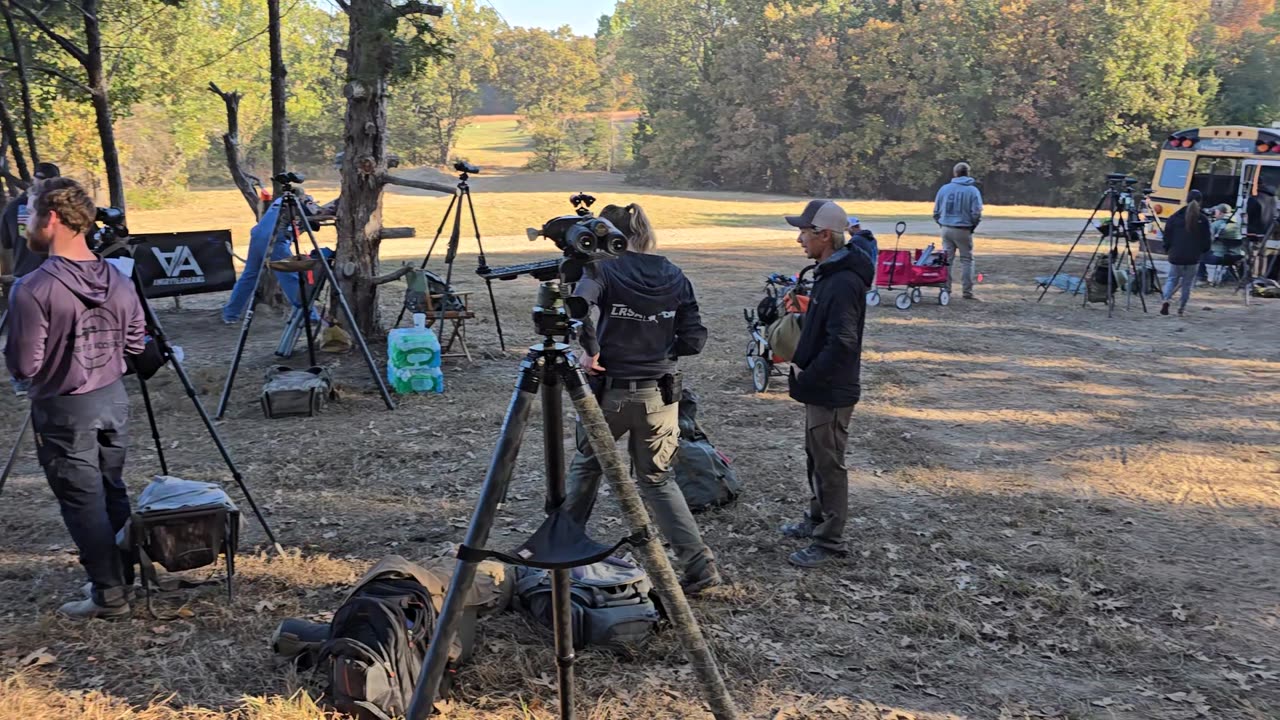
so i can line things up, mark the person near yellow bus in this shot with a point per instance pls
(1187, 236)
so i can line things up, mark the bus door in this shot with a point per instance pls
(1250, 180)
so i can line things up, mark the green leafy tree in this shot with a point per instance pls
(426, 114)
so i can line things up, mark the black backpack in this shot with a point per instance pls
(378, 640)
(705, 476)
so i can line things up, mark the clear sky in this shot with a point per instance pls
(581, 15)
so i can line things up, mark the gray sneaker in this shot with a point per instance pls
(87, 609)
(814, 556)
(130, 592)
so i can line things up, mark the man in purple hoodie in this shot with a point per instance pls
(73, 319)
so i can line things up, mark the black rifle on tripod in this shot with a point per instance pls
(1124, 224)
(292, 217)
(111, 242)
(449, 300)
(561, 542)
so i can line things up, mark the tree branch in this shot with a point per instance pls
(246, 183)
(55, 72)
(389, 179)
(392, 276)
(416, 7)
(71, 48)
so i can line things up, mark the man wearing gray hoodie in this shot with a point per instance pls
(73, 319)
(958, 210)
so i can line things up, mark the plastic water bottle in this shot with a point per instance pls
(413, 358)
(416, 380)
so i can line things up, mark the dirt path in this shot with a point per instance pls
(1056, 514)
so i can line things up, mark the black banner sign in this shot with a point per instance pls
(184, 263)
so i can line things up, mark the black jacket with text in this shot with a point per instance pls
(648, 316)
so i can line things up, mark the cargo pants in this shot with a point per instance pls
(958, 244)
(654, 436)
(81, 442)
(826, 436)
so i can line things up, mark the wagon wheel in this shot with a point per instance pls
(944, 298)
(760, 372)
(903, 301)
(873, 298)
(916, 295)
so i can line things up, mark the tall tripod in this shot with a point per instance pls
(465, 171)
(1122, 225)
(292, 217)
(561, 542)
(119, 248)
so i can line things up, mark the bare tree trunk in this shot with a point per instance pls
(100, 97)
(11, 140)
(24, 84)
(231, 144)
(364, 159)
(279, 119)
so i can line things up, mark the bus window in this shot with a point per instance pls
(1217, 178)
(1173, 174)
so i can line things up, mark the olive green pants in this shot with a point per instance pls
(654, 436)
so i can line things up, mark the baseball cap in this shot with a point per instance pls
(854, 221)
(821, 215)
(45, 170)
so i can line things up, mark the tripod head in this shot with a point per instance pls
(465, 171)
(287, 180)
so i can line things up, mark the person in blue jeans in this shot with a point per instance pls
(281, 249)
(1187, 236)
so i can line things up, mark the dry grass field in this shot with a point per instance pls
(1055, 514)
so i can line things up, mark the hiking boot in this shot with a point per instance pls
(802, 530)
(708, 579)
(1164, 308)
(969, 296)
(814, 556)
(88, 609)
(1181, 311)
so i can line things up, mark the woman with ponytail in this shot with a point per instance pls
(648, 319)
(1187, 236)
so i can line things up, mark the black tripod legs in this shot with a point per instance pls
(492, 491)
(13, 454)
(240, 341)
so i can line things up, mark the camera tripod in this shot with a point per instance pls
(454, 208)
(119, 248)
(561, 542)
(1122, 225)
(292, 217)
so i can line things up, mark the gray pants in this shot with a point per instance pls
(826, 435)
(958, 243)
(654, 438)
(81, 441)
(1180, 275)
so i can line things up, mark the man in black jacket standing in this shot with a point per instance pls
(825, 375)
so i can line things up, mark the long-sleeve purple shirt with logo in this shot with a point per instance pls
(70, 324)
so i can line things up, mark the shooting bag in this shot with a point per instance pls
(378, 639)
(705, 476)
(181, 525)
(293, 393)
(610, 601)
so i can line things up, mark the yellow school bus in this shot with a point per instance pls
(1225, 163)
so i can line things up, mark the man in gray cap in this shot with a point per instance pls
(826, 375)
(958, 210)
